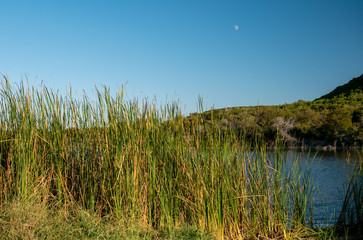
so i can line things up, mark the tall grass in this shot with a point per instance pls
(351, 215)
(145, 165)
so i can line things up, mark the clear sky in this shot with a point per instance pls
(233, 53)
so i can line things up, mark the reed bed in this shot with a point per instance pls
(351, 215)
(145, 164)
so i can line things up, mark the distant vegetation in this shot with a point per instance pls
(354, 85)
(334, 120)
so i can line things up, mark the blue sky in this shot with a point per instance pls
(281, 52)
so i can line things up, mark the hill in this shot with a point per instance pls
(356, 84)
(333, 121)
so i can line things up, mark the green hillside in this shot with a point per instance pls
(354, 85)
(333, 121)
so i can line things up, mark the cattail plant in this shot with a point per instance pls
(145, 164)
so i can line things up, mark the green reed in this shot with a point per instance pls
(351, 214)
(145, 164)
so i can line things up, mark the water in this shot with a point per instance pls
(330, 172)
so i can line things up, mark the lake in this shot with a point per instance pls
(330, 171)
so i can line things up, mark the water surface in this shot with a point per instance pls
(329, 171)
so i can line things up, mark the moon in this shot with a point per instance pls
(235, 27)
